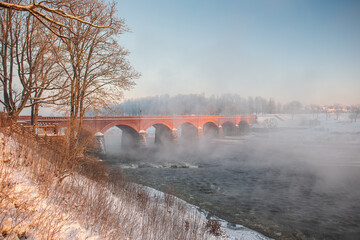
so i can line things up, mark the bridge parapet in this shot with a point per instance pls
(138, 123)
(167, 128)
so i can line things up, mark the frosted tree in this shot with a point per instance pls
(293, 108)
(338, 110)
(355, 111)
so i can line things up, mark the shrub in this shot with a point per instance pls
(214, 227)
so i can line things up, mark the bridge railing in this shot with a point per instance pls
(44, 130)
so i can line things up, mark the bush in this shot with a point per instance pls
(214, 227)
(270, 123)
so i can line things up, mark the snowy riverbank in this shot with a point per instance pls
(73, 208)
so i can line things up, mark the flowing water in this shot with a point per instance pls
(286, 184)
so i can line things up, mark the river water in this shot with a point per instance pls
(289, 183)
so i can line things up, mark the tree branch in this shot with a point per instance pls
(32, 8)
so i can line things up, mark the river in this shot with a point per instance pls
(287, 183)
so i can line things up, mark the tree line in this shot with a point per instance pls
(226, 104)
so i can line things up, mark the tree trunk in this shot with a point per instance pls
(14, 115)
(34, 116)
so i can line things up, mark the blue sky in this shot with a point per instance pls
(285, 49)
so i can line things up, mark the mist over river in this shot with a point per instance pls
(292, 182)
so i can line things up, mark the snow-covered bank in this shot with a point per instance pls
(25, 211)
(228, 231)
(27, 214)
(35, 204)
(330, 123)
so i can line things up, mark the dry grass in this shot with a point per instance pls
(82, 189)
(214, 227)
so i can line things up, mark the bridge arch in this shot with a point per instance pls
(229, 128)
(122, 138)
(188, 132)
(179, 122)
(210, 130)
(120, 123)
(162, 134)
(148, 124)
(208, 120)
(130, 138)
(244, 127)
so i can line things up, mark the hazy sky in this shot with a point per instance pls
(306, 50)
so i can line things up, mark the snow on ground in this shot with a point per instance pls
(229, 231)
(331, 123)
(313, 129)
(28, 213)
(325, 140)
(25, 212)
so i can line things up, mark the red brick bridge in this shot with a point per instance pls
(166, 127)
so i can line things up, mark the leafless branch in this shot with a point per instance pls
(35, 8)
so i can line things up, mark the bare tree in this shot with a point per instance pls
(95, 65)
(17, 59)
(48, 85)
(45, 11)
(271, 106)
(338, 110)
(258, 105)
(293, 108)
(315, 109)
(94, 62)
(85, 66)
(25, 75)
(279, 107)
(355, 111)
